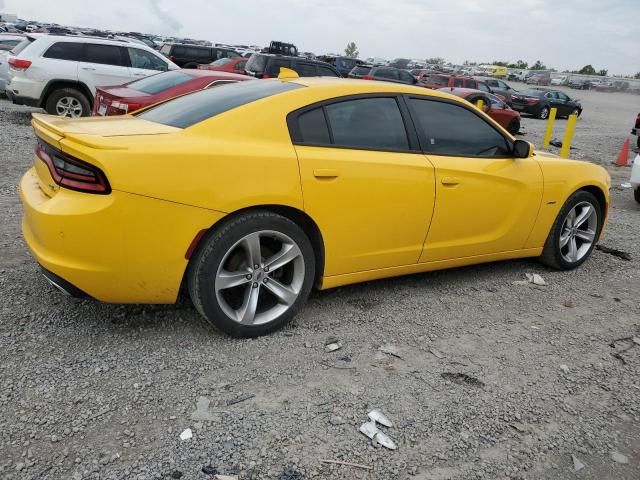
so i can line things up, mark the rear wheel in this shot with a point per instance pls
(543, 114)
(68, 102)
(574, 233)
(253, 274)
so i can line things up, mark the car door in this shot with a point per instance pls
(104, 65)
(566, 103)
(554, 102)
(486, 201)
(143, 63)
(364, 181)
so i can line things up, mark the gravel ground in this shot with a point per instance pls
(491, 379)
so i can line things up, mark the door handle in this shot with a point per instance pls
(88, 68)
(325, 173)
(450, 181)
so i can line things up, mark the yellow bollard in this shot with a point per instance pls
(549, 132)
(480, 104)
(568, 136)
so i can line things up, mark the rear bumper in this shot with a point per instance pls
(19, 100)
(120, 248)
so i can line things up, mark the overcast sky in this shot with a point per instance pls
(562, 33)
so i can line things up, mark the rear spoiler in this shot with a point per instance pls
(48, 128)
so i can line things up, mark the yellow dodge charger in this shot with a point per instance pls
(250, 194)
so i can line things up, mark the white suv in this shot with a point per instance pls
(61, 73)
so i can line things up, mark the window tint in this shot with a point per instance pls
(104, 54)
(406, 77)
(453, 130)
(457, 82)
(326, 72)
(274, 67)
(469, 83)
(313, 127)
(185, 111)
(197, 53)
(562, 96)
(386, 73)
(360, 71)
(438, 80)
(482, 86)
(374, 123)
(65, 51)
(240, 66)
(306, 69)
(166, 49)
(492, 83)
(160, 82)
(146, 60)
(551, 95)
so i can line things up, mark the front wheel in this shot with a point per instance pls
(252, 275)
(68, 102)
(574, 233)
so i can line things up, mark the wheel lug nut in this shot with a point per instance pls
(266, 269)
(249, 276)
(255, 267)
(255, 285)
(266, 280)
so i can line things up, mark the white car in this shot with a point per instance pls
(635, 178)
(60, 73)
(561, 80)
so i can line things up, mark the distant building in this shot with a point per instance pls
(8, 17)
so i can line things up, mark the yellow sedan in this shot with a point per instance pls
(248, 195)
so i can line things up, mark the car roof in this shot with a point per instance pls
(350, 86)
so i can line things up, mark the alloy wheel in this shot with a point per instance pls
(544, 113)
(578, 232)
(260, 277)
(69, 107)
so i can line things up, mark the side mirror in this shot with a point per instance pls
(522, 149)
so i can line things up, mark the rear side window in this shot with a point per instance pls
(104, 54)
(185, 111)
(160, 82)
(326, 72)
(313, 127)
(374, 123)
(306, 69)
(451, 129)
(65, 51)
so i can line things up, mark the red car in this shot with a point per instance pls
(231, 65)
(439, 80)
(123, 99)
(493, 106)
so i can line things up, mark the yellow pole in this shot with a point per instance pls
(479, 104)
(568, 136)
(549, 132)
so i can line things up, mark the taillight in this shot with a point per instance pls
(19, 64)
(532, 100)
(72, 173)
(367, 77)
(133, 107)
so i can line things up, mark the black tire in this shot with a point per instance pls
(514, 126)
(551, 254)
(543, 114)
(56, 95)
(636, 194)
(203, 267)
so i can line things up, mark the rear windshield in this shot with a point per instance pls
(360, 70)
(257, 63)
(188, 110)
(160, 82)
(22, 45)
(438, 80)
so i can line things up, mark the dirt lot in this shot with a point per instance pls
(492, 379)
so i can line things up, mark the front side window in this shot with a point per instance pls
(185, 111)
(146, 60)
(451, 129)
(65, 51)
(104, 54)
(374, 123)
(483, 87)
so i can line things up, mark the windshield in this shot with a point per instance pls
(185, 111)
(221, 62)
(160, 82)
